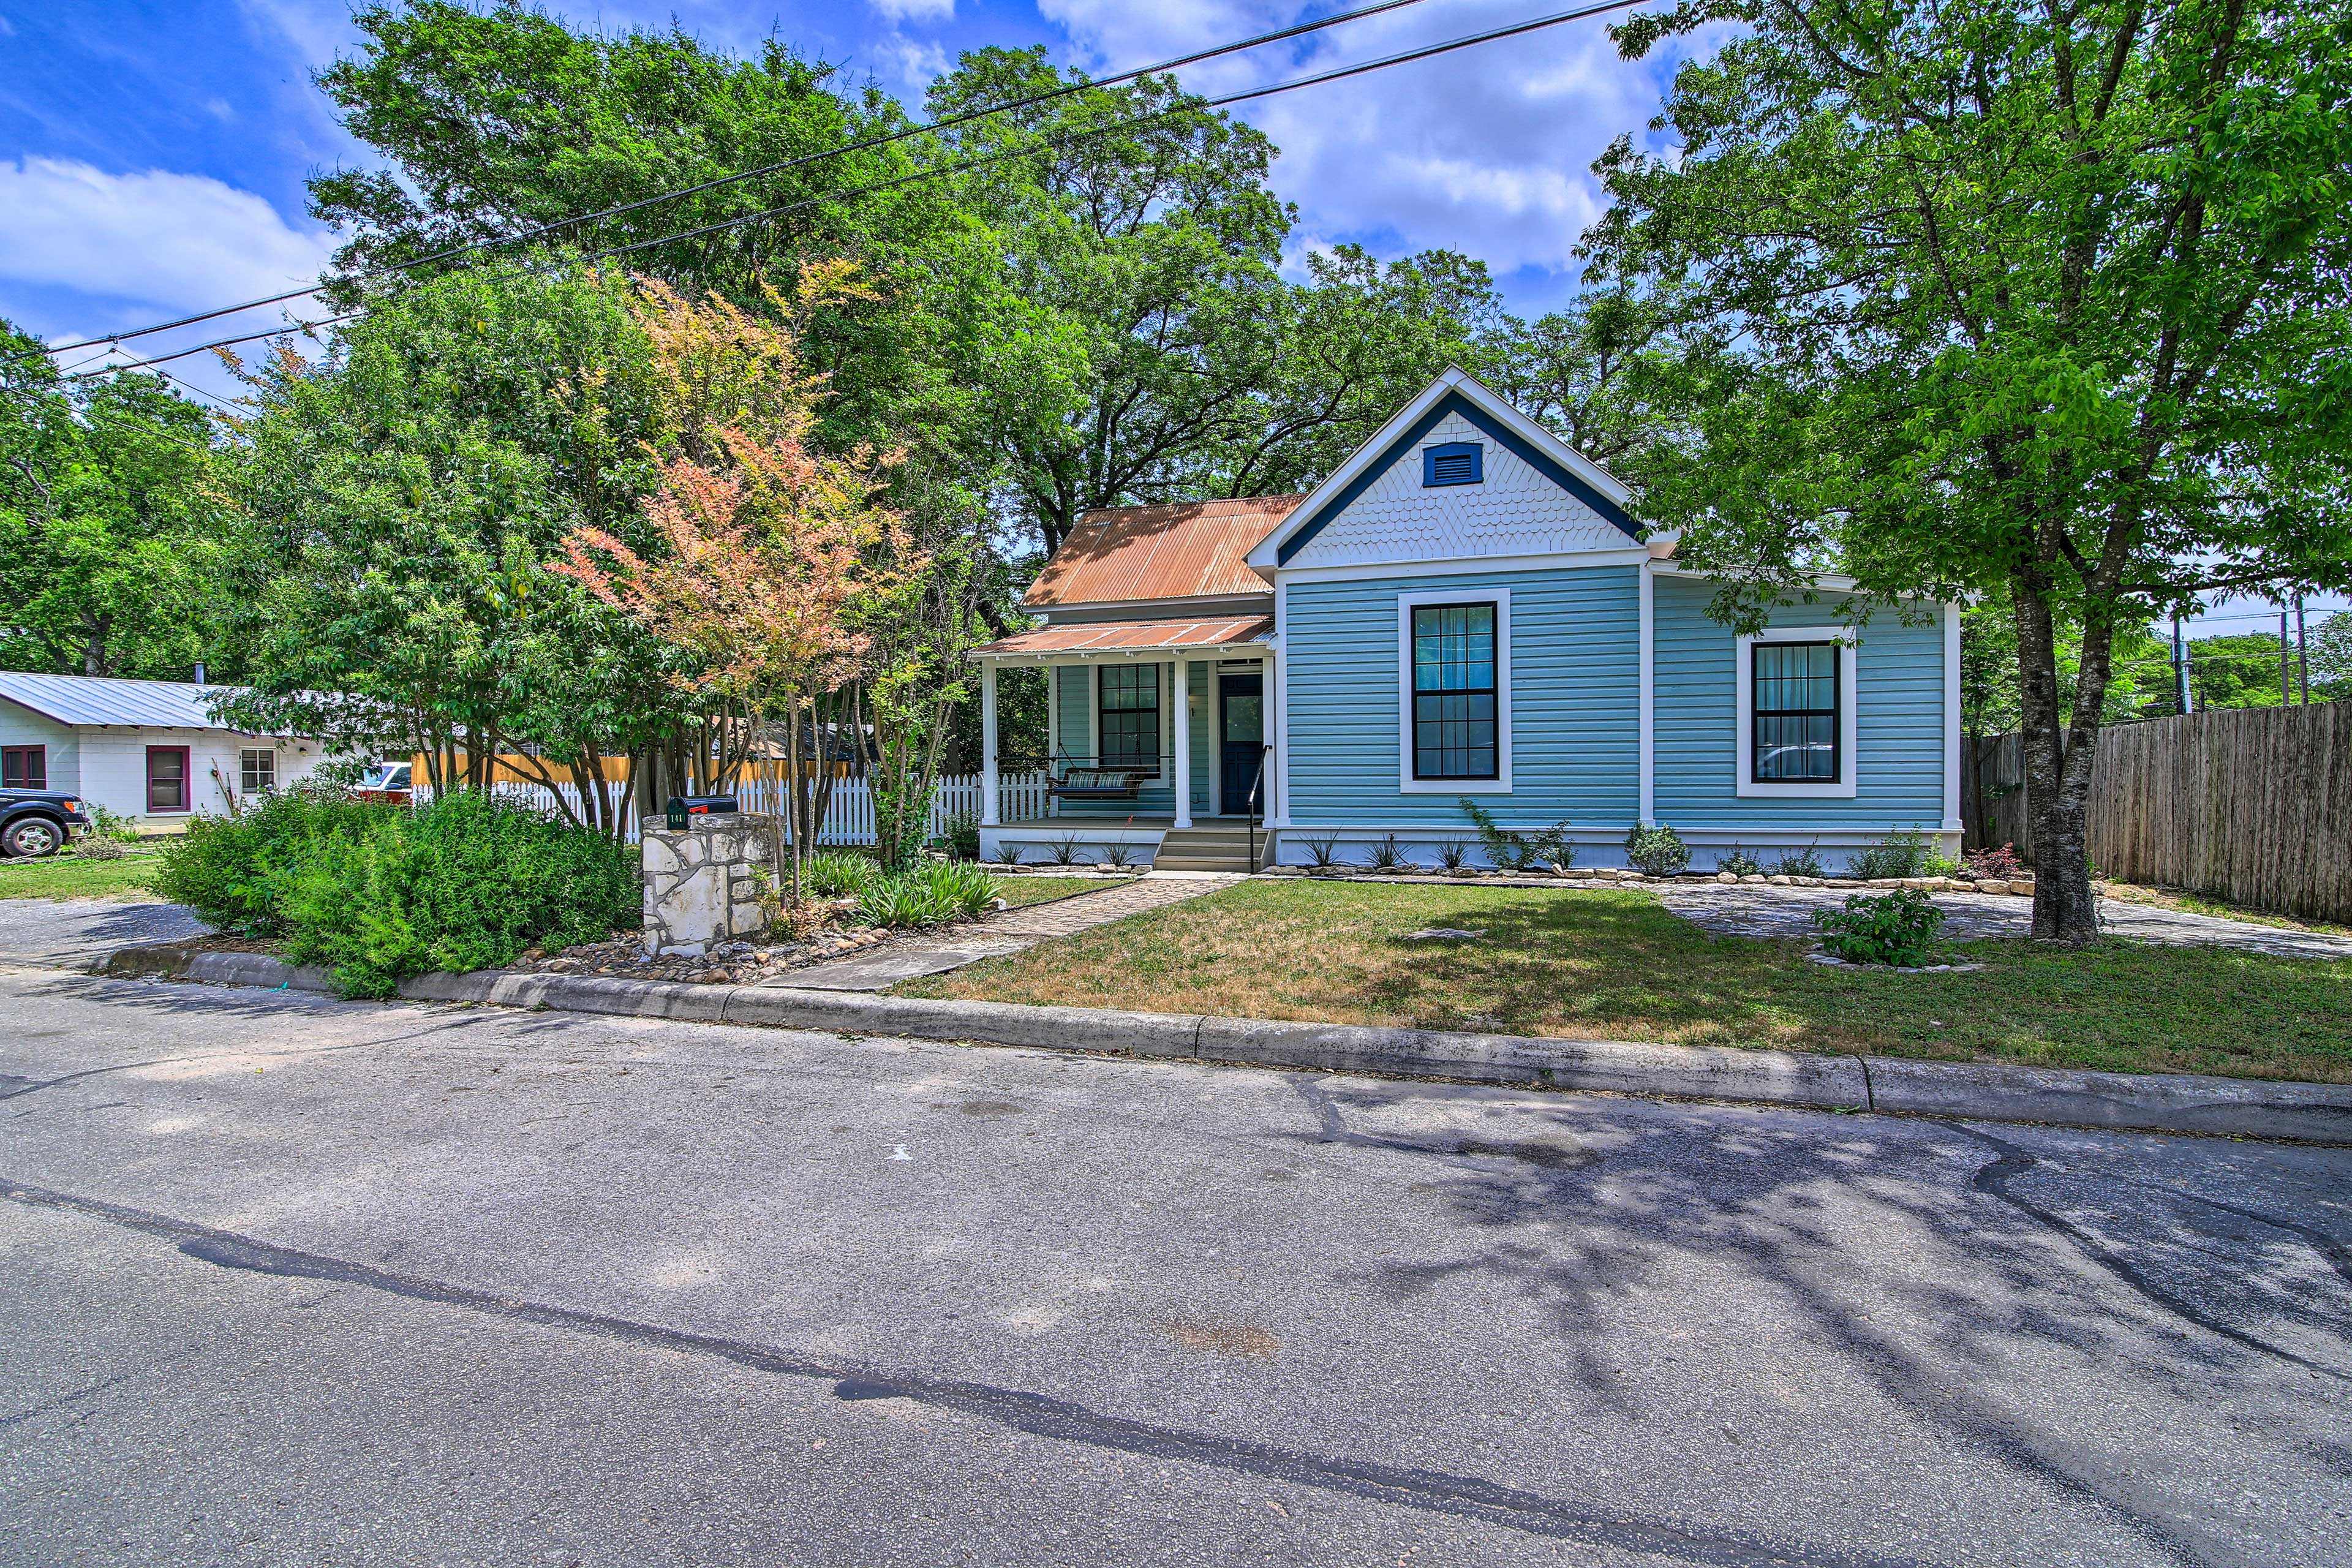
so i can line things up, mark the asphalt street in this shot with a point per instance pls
(297, 1282)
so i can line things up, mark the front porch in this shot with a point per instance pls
(1159, 745)
(1204, 843)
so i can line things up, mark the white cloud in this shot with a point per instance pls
(1486, 150)
(162, 240)
(913, 10)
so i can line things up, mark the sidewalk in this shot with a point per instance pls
(993, 936)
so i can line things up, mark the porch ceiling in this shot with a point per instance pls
(1129, 637)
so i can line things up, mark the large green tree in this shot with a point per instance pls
(109, 520)
(398, 505)
(2041, 298)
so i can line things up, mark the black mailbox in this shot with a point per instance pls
(683, 807)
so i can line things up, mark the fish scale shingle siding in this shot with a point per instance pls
(1575, 682)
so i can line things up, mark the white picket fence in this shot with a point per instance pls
(849, 819)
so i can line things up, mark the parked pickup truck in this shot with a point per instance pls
(38, 821)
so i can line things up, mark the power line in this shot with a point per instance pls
(870, 143)
(1403, 57)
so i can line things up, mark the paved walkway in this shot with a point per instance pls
(878, 968)
(1767, 912)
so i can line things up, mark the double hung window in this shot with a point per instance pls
(1456, 734)
(1796, 713)
(1130, 716)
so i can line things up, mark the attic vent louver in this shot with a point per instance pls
(1456, 463)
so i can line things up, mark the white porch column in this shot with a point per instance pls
(1182, 673)
(989, 816)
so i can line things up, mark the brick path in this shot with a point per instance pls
(993, 936)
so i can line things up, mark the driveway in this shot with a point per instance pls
(295, 1280)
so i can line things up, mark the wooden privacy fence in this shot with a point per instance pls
(849, 819)
(2251, 804)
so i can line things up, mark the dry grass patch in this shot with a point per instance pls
(1617, 965)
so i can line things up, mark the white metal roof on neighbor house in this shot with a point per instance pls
(103, 700)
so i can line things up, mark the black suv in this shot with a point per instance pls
(38, 821)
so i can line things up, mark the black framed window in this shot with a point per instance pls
(23, 768)
(1796, 707)
(1130, 716)
(1455, 732)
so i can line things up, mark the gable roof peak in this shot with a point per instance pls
(1455, 390)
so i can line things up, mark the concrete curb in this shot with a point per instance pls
(2152, 1102)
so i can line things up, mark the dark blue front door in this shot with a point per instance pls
(1241, 730)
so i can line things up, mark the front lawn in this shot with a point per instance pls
(1616, 965)
(70, 877)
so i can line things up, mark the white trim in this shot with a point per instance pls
(1180, 680)
(1261, 554)
(1649, 680)
(989, 813)
(1459, 566)
(1280, 816)
(1128, 655)
(1952, 719)
(1827, 581)
(1744, 690)
(1499, 785)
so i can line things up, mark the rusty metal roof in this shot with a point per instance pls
(1123, 637)
(1182, 550)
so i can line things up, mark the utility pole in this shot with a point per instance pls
(2302, 652)
(2286, 687)
(2179, 669)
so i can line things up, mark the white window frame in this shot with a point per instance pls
(244, 767)
(1743, 681)
(1406, 604)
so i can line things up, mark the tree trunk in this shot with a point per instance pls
(2057, 780)
(793, 765)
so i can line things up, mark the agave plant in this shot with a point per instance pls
(1386, 856)
(1065, 849)
(1117, 854)
(1453, 854)
(1323, 851)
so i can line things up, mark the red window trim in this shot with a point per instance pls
(25, 774)
(187, 784)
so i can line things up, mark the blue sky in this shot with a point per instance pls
(153, 155)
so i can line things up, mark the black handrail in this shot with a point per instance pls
(1256, 803)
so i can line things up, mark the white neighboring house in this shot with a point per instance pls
(146, 750)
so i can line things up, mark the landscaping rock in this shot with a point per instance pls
(1441, 933)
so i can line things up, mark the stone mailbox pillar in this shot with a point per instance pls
(706, 884)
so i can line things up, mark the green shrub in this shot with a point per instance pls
(235, 871)
(1512, 850)
(1805, 862)
(1902, 854)
(1739, 862)
(466, 882)
(1898, 928)
(1657, 852)
(831, 874)
(108, 825)
(925, 895)
(963, 835)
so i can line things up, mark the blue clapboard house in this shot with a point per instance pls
(1466, 608)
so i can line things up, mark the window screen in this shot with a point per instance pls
(257, 770)
(23, 768)
(167, 778)
(1130, 716)
(1796, 709)
(1453, 729)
